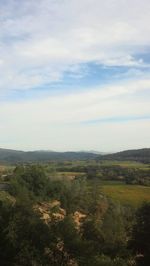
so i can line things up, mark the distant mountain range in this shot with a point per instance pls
(140, 155)
(14, 156)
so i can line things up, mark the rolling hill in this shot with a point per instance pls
(140, 155)
(14, 156)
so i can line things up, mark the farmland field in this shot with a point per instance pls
(127, 194)
(128, 164)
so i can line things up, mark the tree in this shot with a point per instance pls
(24, 238)
(32, 179)
(140, 241)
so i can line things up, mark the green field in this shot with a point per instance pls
(126, 164)
(127, 194)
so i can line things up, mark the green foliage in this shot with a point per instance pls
(107, 235)
(100, 239)
(29, 180)
(105, 261)
(20, 241)
(140, 241)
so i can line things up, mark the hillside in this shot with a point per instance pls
(13, 156)
(141, 155)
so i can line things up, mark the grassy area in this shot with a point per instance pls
(127, 194)
(126, 164)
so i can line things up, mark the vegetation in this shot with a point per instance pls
(13, 156)
(78, 213)
(127, 194)
(141, 155)
(140, 238)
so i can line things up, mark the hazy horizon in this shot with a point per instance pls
(75, 75)
(61, 151)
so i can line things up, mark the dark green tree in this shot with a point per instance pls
(140, 241)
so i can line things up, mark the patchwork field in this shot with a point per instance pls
(127, 194)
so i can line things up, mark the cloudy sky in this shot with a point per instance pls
(75, 74)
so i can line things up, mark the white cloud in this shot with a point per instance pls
(51, 36)
(56, 122)
(102, 102)
(41, 40)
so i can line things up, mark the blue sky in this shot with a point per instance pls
(75, 75)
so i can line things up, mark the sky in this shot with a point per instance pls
(75, 74)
